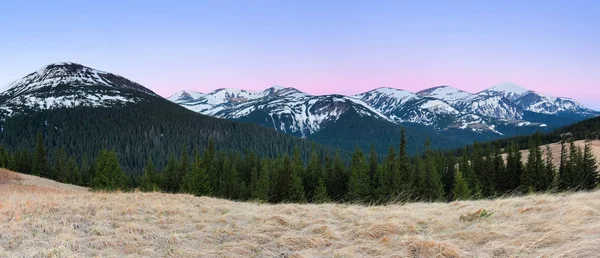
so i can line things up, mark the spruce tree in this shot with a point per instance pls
(3, 157)
(374, 175)
(297, 193)
(574, 166)
(320, 195)
(533, 176)
(514, 167)
(564, 174)
(196, 181)
(359, 185)
(148, 181)
(589, 168)
(550, 171)
(310, 179)
(387, 187)
(60, 165)
(433, 188)
(288, 187)
(499, 169)
(170, 182)
(183, 169)
(209, 161)
(404, 176)
(109, 174)
(337, 179)
(74, 174)
(230, 188)
(460, 190)
(40, 160)
(261, 181)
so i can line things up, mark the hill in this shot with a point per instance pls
(48, 219)
(555, 149)
(84, 110)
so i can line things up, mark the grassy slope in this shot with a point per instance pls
(42, 218)
(555, 149)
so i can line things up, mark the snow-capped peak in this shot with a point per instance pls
(392, 92)
(446, 93)
(508, 88)
(185, 95)
(72, 74)
(70, 85)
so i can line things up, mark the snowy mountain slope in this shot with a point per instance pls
(285, 109)
(506, 90)
(446, 93)
(497, 109)
(69, 85)
(185, 96)
(537, 102)
(484, 105)
(403, 106)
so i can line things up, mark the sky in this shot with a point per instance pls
(319, 47)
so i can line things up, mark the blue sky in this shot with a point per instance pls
(316, 46)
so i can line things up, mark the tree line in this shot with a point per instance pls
(484, 171)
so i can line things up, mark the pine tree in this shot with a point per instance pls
(461, 190)
(337, 179)
(86, 172)
(514, 167)
(374, 174)
(183, 169)
(469, 176)
(404, 177)
(148, 181)
(533, 176)
(320, 195)
(3, 157)
(387, 187)
(209, 161)
(40, 160)
(73, 173)
(23, 161)
(60, 165)
(12, 163)
(550, 171)
(310, 179)
(480, 168)
(433, 188)
(359, 186)
(575, 180)
(297, 193)
(564, 173)
(288, 187)
(109, 174)
(499, 169)
(589, 168)
(230, 179)
(261, 180)
(196, 181)
(170, 182)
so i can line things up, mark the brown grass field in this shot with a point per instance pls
(42, 218)
(555, 148)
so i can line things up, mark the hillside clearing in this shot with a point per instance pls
(555, 149)
(43, 218)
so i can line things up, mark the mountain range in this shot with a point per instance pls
(448, 117)
(502, 110)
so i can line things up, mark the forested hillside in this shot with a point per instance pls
(435, 176)
(153, 129)
(586, 129)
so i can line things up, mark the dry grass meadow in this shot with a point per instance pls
(42, 218)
